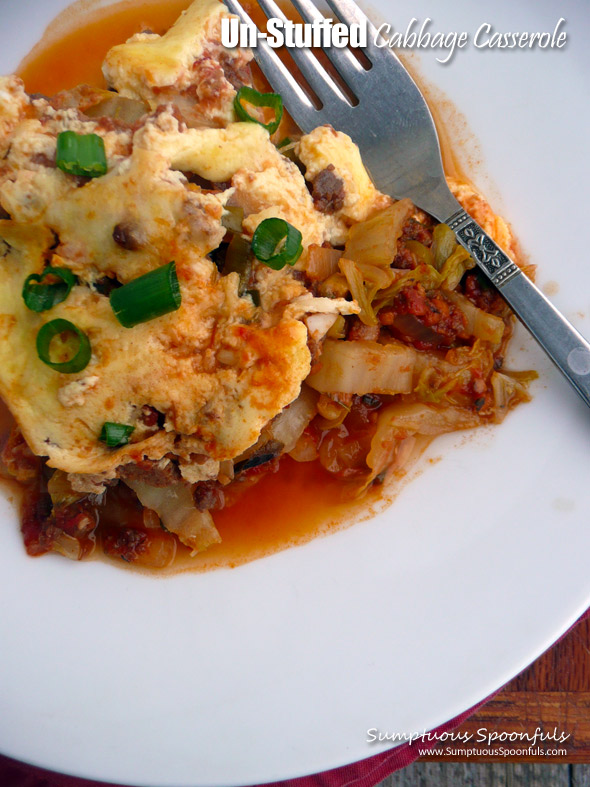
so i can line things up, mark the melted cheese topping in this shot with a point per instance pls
(216, 374)
(218, 369)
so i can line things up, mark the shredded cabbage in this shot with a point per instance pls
(176, 508)
(408, 418)
(356, 284)
(362, 367)
(425, 275)
(374, 241)
(443, 244)
(421, 252)
(480, 324)
(439, 380)
(509, 390)
(455, 266)
(404, 428)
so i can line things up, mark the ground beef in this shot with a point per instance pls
(209, 496)
(38, 527)
(107, 123)
(206, 185)
(43, 159)
(151, 417)
(150, 472)
(424, 319)
(328, 191)
(359, 331)
(78, 519)
(483, 295)
(166, 107)
(412, 230)
(404, 259)
(126, 543)
(18, 459)
(129, 236)
(236, 75)
(415, 230)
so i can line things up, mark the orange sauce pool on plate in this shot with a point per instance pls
(302, 500)
(75, 44)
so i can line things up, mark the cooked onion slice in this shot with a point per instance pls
(68, 546)
(426, 419)
(176, 508)
(363, 367)
(356, 284)
(288, 427)
(124, 110)
(403, 429)
(321, 262)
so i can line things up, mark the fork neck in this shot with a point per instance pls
(436, 198)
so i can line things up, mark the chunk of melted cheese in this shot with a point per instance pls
(187, 65)
(13, 107)
(324, 147)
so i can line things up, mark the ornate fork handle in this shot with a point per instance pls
(567, 348)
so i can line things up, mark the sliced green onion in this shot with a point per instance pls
(115, 435)
(149, 296)
(277, 243)
(271, 100)
(78, 361)
(284, 142)
(81, 154)
(39, 296)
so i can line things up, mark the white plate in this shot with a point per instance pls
(279, 668)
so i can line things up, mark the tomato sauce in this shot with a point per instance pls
(301, 500)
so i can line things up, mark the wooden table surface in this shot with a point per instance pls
(554, 692)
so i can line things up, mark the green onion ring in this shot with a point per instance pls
(81, 154)
(149, 296)
(115, 435)
(268, 237)
(52, 329)
(40, 297)
(271, 100)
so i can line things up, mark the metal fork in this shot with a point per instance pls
(392, 125)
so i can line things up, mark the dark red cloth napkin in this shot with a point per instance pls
(365, 773)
